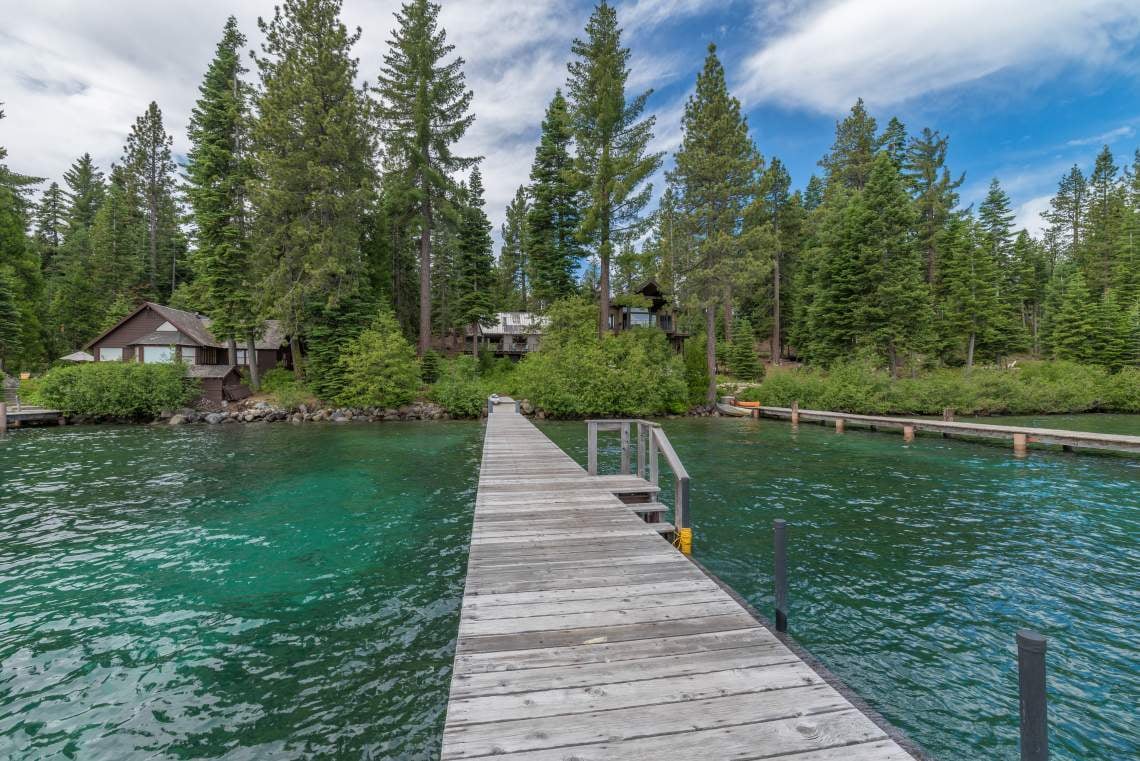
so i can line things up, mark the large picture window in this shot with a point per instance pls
(156, 354)
(110, 354)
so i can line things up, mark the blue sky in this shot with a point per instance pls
(1024, 88)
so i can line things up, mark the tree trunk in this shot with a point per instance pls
(295, 355)
(475, 340)
(425, 275)
(970, 353)
(251, 357)
(710, 352)
(233, 351)
(604, 290)
(776, 349)
(893, 356)
(728, 314)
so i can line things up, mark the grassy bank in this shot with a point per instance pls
(1031, 388)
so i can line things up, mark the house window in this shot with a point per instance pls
(189, 355)
(158, 354)
(640, 316)
(243, 356)
(110, 354)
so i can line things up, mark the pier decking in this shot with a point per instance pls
(586, 635)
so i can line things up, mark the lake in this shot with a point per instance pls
(274, 591)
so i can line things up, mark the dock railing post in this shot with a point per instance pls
(3, 417)
(518, 407)
(1031, 696)
(490, 406)
(625, 447)
(681, 514)
(592, 448)
(654, 465)
(780, 571)
(640, 449)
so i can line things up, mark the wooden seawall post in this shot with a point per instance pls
(796, 412)
(3, 417)
(839, 425)
(1020, 444)
(908, 433)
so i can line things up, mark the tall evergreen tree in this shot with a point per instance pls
(778, 211)
(715, 174)
(935, 193)
(1074, 323)
(813, 193)
(150, 166)
(514, 266)
(1103, 220)
(893, 142)
(313, 152)
(476, 284)
(969, 286)
(1066, 210)
(853, 153)
(20, 280)
(85, 189)
(553, 220)
(897, 315)
(424, 104)
(219, 170)
(50, 225)
(613, 162)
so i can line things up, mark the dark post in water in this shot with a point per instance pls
(780, 559)
(1031, 689)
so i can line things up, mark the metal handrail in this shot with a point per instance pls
(651, 440)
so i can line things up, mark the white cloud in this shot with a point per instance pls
(1028, 215)
(643, 13)
(888, 51)
(1105, 138)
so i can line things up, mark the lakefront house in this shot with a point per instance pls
(158, 333)
(653, 311)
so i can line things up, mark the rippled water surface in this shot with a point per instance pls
(267, 592)
(913, 567)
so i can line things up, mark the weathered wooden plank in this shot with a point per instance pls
(584, 634)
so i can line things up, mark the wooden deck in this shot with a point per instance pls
(1071, 440)
(586, 635)
(15, 417)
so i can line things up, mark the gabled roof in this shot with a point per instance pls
(210, 371)
(192, 329)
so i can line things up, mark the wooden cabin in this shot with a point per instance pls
(157, 333)
(513, 334)
(656, 313)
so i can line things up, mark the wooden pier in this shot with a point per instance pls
(586, 634)
(18, 416)
(1019, 436)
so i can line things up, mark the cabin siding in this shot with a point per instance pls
(146, 321)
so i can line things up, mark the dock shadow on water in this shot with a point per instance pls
(912, 567)
(245, 592)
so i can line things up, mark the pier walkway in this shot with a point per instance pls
(585, 634)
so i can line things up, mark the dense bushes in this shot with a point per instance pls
(281, 384)
(576, 373)
(460, 390)
(1033, 388)
(117, 389)
(379, 367)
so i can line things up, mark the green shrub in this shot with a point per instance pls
(281, 385)
(117, 389)
(577, 374)
(459, 389)
(1033, 388)
(696, 370)
(429, 366)
(30, 391)
(379, 367)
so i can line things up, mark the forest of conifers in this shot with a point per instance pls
(319, 201)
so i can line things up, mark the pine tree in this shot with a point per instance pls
(1103, 220)
(995, 219)
(1075, 322)
(85, 189)
(1111, 339)
(813, 194)
(742, 359)
(778, 212)
(313, 155)
(1066, 210)
(1027, 285)
(50, 225)
(514, 264)
(853, 153)
(613, 164)
(423, 111)
(553, 220)
(893, 142)
(218, 169)
(968, 284)
(935, 193)
(476, 283)
(715, 174)
(150, 166)
(897, 314)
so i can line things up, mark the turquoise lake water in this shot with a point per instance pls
(912, 567)
(273, 591)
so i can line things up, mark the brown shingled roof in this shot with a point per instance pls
(196, 328)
